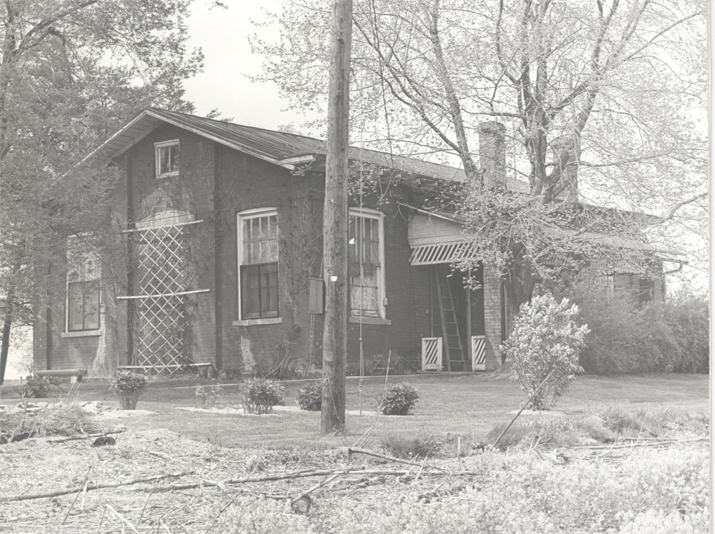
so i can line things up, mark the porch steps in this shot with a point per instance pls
(450, 329)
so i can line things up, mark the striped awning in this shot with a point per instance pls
(442, 253)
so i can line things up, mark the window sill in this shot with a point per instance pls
(83, 333)
(252, 322)
(370, 320)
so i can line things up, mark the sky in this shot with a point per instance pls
(223, 34)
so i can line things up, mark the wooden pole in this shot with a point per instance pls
(335, 222)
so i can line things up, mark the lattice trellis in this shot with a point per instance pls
(164, 280)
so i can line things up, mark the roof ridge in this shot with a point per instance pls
(159, 110)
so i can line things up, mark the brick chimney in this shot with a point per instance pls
(492, 157)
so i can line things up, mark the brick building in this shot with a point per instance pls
(222, 228)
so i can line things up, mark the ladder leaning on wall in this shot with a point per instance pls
(448, 319)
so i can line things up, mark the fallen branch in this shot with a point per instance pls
(392, 459)
(640, 444)
(88, 488)
(319, 485)
(303, 474)
(86, 436)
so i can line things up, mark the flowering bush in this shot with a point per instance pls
(261, 395)
(545, 339)
(398, 400)
(310, 397)
(128, 386)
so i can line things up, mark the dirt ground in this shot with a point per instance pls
(170, 483)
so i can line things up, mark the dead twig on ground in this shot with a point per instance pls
(392, 459)
(122, 518)
(93, 487)
(84, 486)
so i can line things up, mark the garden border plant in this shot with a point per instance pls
(260, 395)
(128, 386)
(310, 397)
(399, 399)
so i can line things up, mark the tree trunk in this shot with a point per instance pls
(6, 328)
(335, 223)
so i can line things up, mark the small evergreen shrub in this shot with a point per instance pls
(310, 397)
(397, 400)
(38, 387)
(260, 395)
(545, 339)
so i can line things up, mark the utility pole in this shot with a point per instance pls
(335, 222)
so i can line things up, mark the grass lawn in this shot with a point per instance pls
(468, 405)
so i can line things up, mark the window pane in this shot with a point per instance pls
(250, 291)
(269, 290)
(364, 265)
(174, 158)
(75, 303)
(91, 306)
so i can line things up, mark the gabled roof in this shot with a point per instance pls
(280, 148)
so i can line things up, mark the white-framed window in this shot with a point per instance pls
(366, 263)
(83, 302)
(257, 263)
(166, 158)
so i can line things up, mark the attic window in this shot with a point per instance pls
(166, 157)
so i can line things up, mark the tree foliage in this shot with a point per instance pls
(71, 73)
(603, 103)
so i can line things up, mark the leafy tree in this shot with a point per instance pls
(603, 103)
(71, 73)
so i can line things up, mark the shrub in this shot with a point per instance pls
(40, 388)
(690, 323)
(310, 397)
(625, 338)
(261, 395)
(397, 400)
(545, 339)
(128, 386)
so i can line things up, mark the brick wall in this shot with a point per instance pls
(492, 317)
(214, 184)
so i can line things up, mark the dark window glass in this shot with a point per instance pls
(83, 306)
(364, 265)
(168, 160)
(259, 291)
(645, 290)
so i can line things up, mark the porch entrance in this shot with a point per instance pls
(457, 314)
(456, 310)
